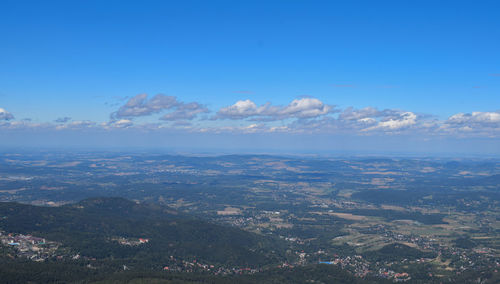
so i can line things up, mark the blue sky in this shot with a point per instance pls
(86, 59)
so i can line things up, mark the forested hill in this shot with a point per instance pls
(91, 229)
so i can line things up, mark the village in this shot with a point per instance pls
(448, 258)
(30, 247)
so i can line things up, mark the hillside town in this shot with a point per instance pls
(28, 246)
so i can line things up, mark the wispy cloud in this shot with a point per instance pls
(62, 119)
(77, 125)
(140, 105)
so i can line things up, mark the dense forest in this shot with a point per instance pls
(89, 227)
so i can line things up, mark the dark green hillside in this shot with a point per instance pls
(89, 226)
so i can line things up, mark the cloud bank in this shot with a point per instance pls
(305, 115)
(298, 108)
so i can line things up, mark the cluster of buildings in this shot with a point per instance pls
(178, 265)
(131, 241)
(396, 276)
(362, 268)
(356, 264)
(31, 247)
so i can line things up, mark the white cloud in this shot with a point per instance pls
(122, 123)
(5, 115)
(475, 123)
(490, 118)
(242, 109)
(306, 108)
(298, 108)
(141, 106)
(366, 121)
(403, 120)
